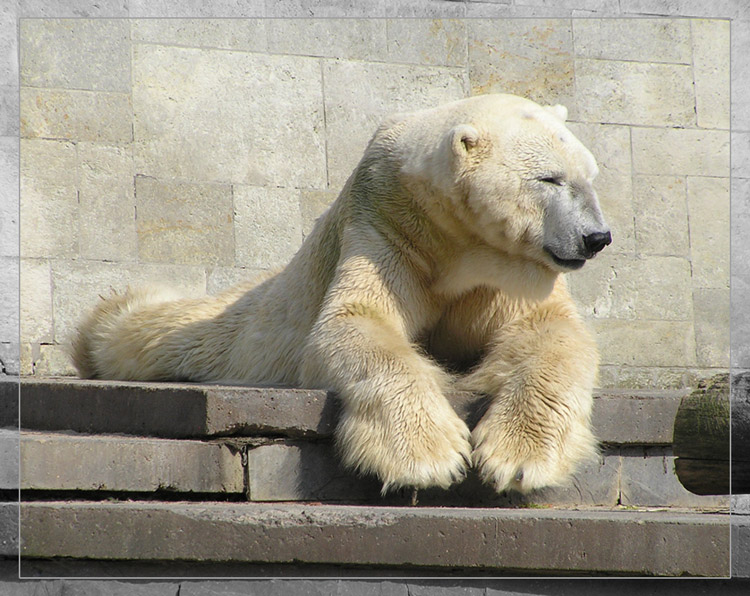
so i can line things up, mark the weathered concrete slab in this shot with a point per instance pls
(8, 529)
(74, 462)
(740, 545)
(8, 459)
(148, 409)
(528, 541)
(8, 401)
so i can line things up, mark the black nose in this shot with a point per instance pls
(596, 242)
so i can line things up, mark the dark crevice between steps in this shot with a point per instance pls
(32, 495)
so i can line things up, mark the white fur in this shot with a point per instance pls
(428, 272)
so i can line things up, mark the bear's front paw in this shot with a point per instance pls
(525, 457)
(417, 450)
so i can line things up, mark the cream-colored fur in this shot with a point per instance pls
(437, 267)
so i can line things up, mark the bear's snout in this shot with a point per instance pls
(596, 242)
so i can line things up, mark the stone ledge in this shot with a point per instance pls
(148, 409)
(8, 529)
(113, 463)
(524, 541)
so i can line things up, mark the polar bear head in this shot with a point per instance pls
(511, 173)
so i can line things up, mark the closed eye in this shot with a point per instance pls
(556, 180)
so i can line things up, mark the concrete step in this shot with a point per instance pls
(274, 444)
(621, 417)
(436, 540)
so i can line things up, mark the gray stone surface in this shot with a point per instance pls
(620, 417)
(75, 115)
(537, 58)
(9, 459)
(634, 93)
(649, 480)
(521, 540)
(8, 401)
(8, 529)
(708, 203)
(56, 461)
(183, 223)
(184, 111)
(9, 222)
(741, 545)
(633, 40)
(86, 54)
(678, 151)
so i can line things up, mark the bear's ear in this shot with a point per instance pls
(464, 138)
(559, 111)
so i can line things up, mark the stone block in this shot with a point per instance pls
(76, 115)
(740, 546)
(711, 70)
(196, 8)
(487, 10)
(312, 204)
(740, 154)
(708, 205)
(49, 199)
(325, 8)
(114, 463)
(8, 46)
(661, 215)
(643, 343)
(360, 95)
(8, 401)
(351, 39)
(634, 93)
(9, 530)
(54, 361)
(531, 540)
(635, 289)
(634, 40)
(625, 418)
(8, 459)
(683, 8)
(740, 71)
(181, 222)
(9, 110)
(36, 301)
(422, 41)
(72, 8)
(649, 480)
(118, 588)
(536, 58)
(147, 409)
(230, 34)
(9, 295)
(193, 119)
(267, 226)
(712, 325)
(9, 214)
(10, 356)
(107, 204)
(79, 285)
(304, 472)
(76, 54)
(680, 152)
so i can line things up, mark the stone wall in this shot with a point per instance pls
(199, 152)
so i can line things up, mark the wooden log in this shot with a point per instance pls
(701, 438)
(741, 433)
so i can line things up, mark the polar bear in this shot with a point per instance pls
(437, 268)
